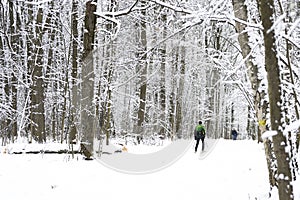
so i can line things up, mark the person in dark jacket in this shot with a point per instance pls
(234, 134)
(199, 134)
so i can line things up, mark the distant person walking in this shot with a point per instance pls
(199, 134)
(234, 134)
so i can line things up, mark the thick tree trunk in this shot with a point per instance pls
(28, 11)
(283, 175)
(37, 87)
(87, 87)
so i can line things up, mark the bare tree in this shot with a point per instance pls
(283, 176)
(37, 86)
(142, 67)
(87, 87)
(14, 34)
(74, 73)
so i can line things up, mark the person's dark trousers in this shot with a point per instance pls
(197, 144)
(234, 137)
(202, 139)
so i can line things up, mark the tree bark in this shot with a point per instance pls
(142, 67)
(74, 88)
(37, 87)
(14, 24)
(180, 87)
(162, 20)
(283, 176)
(87, 87)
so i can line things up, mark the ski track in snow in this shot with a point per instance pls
(230, 170)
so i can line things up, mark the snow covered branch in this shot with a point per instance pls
(37, 3)
(174, 8)
(110, 15)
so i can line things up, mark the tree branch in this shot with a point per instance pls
(111, 15)
(174, 8)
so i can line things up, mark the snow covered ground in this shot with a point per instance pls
(230, 170)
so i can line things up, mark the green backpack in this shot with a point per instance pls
(200, 132)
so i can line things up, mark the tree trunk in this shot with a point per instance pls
(162, 57)
(2, 79)
(87, 88)
(142, 67)
(14, 33)
(180, 87)
(74, 87)
(283, 176)
(172, 98)
(37, 87)
(213, 124)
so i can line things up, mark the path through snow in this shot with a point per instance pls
(233, 170)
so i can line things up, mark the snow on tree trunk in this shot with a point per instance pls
(283, 176)
(14, 24)
(162, 53)
(240, 12)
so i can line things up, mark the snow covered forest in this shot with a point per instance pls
(83, 71)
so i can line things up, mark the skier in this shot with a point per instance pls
(234, 134)
(199, 133)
